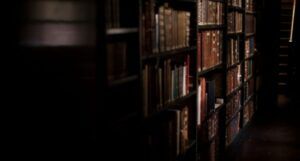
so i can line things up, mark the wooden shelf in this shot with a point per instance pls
(170, 53)
(250, 12)
(221, 1)
(232, 93)
(177, 103)
(233, 116)
(121, 31)
(250, 34)
(235, 34)
(190, 1)
(248, 100)
(210, 27)
(207, 71)
(215, 110)
(233, 65)
(234, 8)
(121, 81)
(248, 79)
(212, 113)
(250, 57)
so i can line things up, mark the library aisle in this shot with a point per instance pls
(271, 136)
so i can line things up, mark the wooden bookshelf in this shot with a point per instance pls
(121, 31)
(159, 69)
(212, 69)
(171, 53)
(210, 27)
(168, 70)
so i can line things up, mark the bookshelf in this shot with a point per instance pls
(176, 79)
(211, 80)
(168, 71)
(217, 53)
(186, 70)
(245, 101)
(119, 56)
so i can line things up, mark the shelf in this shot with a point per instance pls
(233, 65)
(211, 113)
(121, 31)
(232, 93)
(221, 1)
(234, 8)
(250, 34)
(191, 1)
(233, 116)
(248, 79)
(179, 101)
(248, 100)
(122, 81)
(177, 104)
(250, 57)
(235, 34)
(201, 73)
(210, 27)
(170, 53)
(250, 12)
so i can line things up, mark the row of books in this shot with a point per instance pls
(213, 132)
(250, 6)
(249, 47)
(248, 112)
(168, 136)
(235, 22)
(248, 69)
(249, 89)
(234, 3)
(233, 105)
(233, 51)
(250, 24)
(165, 82)
(209, 49)
(210, 12)
(232, 129)
(213, 126)
(164, 30)
(233, 79)
(207, 99)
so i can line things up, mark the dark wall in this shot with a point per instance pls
(49, 92)
(268, 16)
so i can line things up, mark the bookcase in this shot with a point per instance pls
(186, 70)
(175, 80)
(119, 54)
(168, 75)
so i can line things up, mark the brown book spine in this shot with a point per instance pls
(203, 99)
